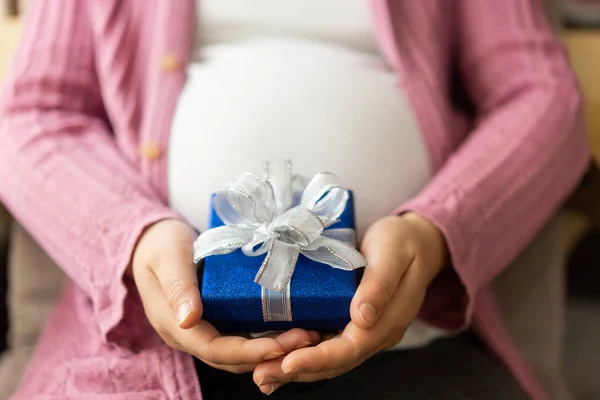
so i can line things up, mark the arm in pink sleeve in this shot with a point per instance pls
(62, 174)
(526, 152)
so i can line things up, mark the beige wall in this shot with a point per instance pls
(9, 36)
(584, 49)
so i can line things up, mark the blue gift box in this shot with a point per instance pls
(320, 294)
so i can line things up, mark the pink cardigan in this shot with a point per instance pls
(84, 125)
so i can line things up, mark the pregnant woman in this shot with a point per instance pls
(456, 123)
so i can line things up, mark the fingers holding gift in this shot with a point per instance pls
(326, 361)
(291, 340)
(231, 353)
(295, 339)
(269, 371)
(355, 345)
(235, 369)
(334, 356)
(203, 340)
(206, 343)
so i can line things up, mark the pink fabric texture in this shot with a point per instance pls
(87, 90)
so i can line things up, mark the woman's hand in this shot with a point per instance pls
(405, 254)
(166, 279)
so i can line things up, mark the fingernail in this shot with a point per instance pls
(182, 313)
(367, 313)
(293, 370)
(273, 388)
(272, 356)
(303, 344)
(267, 380)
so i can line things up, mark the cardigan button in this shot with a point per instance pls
(150, 151)
(170, 63)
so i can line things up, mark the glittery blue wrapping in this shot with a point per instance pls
(320, 294)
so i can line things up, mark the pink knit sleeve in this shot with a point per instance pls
(61, 172)
(526, 152)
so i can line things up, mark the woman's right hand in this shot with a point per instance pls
(166, 279)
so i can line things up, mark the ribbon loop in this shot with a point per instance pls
(345, 235)
(325, 197)
(248, 199)
(336, 254)
(221, 240)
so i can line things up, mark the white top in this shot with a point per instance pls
(345, 22)
(297, 79)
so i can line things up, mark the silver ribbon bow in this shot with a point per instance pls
(277, 216)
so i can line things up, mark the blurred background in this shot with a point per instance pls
(578, 23)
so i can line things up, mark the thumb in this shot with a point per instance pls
(376, 290)
(178, 278)
(387, 263)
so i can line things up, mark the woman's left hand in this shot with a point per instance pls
(405, 253)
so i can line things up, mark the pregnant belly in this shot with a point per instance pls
(326, 108)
